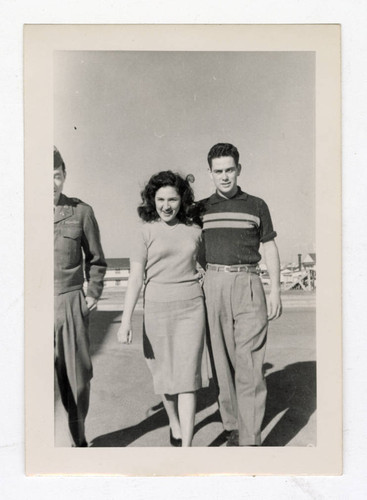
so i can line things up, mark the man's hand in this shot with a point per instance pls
(91, 303)
(274, 305)
(271, 258)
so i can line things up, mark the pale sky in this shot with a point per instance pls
(122, 116)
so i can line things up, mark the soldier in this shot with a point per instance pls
(75, 233)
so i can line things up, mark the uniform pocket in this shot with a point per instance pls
(72, 232)
(71, 242)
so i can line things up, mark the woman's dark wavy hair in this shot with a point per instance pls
(147, 210)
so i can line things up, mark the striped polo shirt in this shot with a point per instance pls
(234, 228)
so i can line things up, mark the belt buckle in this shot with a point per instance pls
(227, 269)
(232, 269)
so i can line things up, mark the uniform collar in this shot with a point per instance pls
(217, 198)
(63, 209)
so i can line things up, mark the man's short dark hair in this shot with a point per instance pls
(58, 161)
(223, 149)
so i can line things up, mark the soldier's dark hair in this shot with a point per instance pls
(223, 149)
(147, 210)
(58, 161)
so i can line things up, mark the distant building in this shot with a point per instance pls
(293, 276)
(309, 261)
(117, 272)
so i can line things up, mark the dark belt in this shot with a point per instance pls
(247, 268)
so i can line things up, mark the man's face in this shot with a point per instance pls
(59, 179)
(224, 173)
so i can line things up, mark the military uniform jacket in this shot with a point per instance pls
(76, 232)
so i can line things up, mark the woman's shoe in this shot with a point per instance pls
(174, 441)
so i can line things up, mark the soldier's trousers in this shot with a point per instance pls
(73, 366)
(237, 318)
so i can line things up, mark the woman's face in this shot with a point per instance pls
(167, 204)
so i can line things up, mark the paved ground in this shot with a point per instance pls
(124, 411)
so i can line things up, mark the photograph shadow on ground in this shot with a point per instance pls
(292, 389)
(124, 437)
(156, 419)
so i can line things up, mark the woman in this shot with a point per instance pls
(174, 321)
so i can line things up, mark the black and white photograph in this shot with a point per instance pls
(123, 122)
(186, 268)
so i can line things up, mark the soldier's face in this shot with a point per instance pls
(59, 179)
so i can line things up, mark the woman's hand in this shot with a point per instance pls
(134, 285)
(125, 333)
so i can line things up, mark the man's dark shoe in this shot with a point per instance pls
(233, 439)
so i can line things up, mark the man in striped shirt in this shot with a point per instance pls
(234, 225)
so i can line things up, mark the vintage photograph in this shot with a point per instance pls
(195, 300)
(184, 188)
